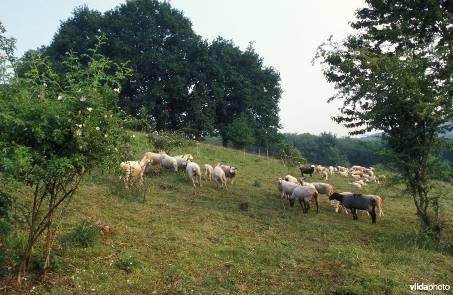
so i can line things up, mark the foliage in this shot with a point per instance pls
(169, 141)
(183, 82)
(291, 155)
(85, 234)
(7, 59)
(54, 128)
(128, 263)
(394, 75)
(327, 149)
(240, 131)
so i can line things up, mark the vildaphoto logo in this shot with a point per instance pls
(429, 287)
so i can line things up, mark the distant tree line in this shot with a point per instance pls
(179, 81)
(327, 149)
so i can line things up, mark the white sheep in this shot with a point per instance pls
(181, 160)
(219, 176)
(285, 188)
(323, 188)
(356, 185)
(154, 159)
(133, 169)
(230, 172)
(208, 170)
(193, 171)
(291, 178)
(304, 194)
(168, 162)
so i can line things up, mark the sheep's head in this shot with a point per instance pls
(336, 196)
(145, 161)
(233, 171)
(188, 157)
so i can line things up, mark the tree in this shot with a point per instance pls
(185, 83)
(7, 47)
(53, 129)
(394, 75)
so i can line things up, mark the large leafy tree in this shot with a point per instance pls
(183, 82)
(394, 74)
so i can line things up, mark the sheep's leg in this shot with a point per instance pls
(354, 213)
(317, 204)
(373, 215)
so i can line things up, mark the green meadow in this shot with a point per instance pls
(167, 241)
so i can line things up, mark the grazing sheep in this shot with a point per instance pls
(208, 172)
(356, 202)
(154, 159)
(304, 183)
(181, 162)
(338, 205)
(307, 169)
(325, 175)
(361, 182)
(331, 170)
(356, 185)
(356, 176)
(344, 173)
(304, 194)
(193, 171)
(291, 178)
(230, 172)
(168, 162)
(323, 188)
(378, 204)
(285, 188)
(133, 169)
(219, 176)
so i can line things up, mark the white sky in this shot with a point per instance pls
(285, 33)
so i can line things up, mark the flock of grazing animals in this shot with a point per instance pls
(292, 189)
(133, 171)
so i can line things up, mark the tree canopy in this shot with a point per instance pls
(394, 75)
(182, 82)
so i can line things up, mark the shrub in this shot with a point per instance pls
(85, 234)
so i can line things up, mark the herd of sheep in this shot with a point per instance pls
(290, 188)
(133, 170)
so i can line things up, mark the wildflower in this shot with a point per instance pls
(105, 116)
(44, 84)
(69, 120)
(89, 109)
(133, 136)
(79, 125)
(60, 97)
(83, 98)
(97, 128)
(117, 90)
(78, 133)
(105, 135)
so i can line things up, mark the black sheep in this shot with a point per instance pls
(307, 169)
(356, 202)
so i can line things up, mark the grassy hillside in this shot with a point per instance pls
(179, 243)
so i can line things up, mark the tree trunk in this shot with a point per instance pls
(49, 240)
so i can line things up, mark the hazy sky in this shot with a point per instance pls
(285, 33)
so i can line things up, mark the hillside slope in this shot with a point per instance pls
(206, 244)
